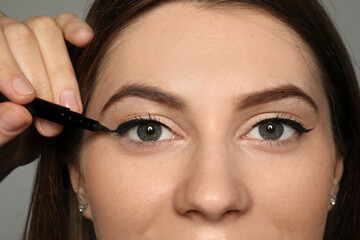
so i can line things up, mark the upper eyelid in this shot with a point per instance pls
(279, 119)
(140, 118)
(140, 121)
(150, 118)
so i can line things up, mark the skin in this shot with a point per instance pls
(211, 178)
(34, 62)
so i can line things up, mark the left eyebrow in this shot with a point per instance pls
(275, 94)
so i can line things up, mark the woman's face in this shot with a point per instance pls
(229, 134)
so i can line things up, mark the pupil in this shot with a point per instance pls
(270, 128)
(150, 130)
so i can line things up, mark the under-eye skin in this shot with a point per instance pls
(276, 129)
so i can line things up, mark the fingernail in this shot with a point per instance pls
(83, 36)
(23, 86)
(50, 128)
(10, 121)
(89, 30)
(68, 99)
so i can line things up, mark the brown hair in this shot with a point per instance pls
(53, 209)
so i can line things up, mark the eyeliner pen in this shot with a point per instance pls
(58, 114)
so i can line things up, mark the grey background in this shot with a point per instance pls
(16, 188)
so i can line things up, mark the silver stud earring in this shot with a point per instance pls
(333, 200)
(82, 206)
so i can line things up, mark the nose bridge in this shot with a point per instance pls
(211, 189)
(212, 171)
(212, 157)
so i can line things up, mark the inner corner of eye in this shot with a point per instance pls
(254, 132)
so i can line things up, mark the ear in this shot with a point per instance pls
(337, 174)
(79, 188)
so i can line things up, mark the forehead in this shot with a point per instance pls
(181, 42)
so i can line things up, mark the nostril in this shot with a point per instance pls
(196, 215)
(232, 214)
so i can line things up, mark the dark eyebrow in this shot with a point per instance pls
(275, 94)
(147, 92)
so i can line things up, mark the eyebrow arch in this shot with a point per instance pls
(275, 94)
(147, 92)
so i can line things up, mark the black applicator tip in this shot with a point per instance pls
(102, 128)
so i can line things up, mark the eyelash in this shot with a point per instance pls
(285, 120)
(124, 127)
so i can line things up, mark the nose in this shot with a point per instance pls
(213, 188)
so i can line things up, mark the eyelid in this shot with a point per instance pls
(287, 121)
(127, 125)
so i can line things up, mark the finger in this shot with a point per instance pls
(13, 120)
(26, 52)
(24, 48)
(13, 83)
(57, 62)
(75, 30)
(58, 65)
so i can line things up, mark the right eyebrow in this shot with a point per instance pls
(147, 92)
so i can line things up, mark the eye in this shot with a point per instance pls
(276, 129)
(145, 130)
(148, 132)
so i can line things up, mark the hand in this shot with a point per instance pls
(34, 62)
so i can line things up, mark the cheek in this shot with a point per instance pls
(293, 190)
(125, 193)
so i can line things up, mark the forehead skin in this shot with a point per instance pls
(142, 51)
